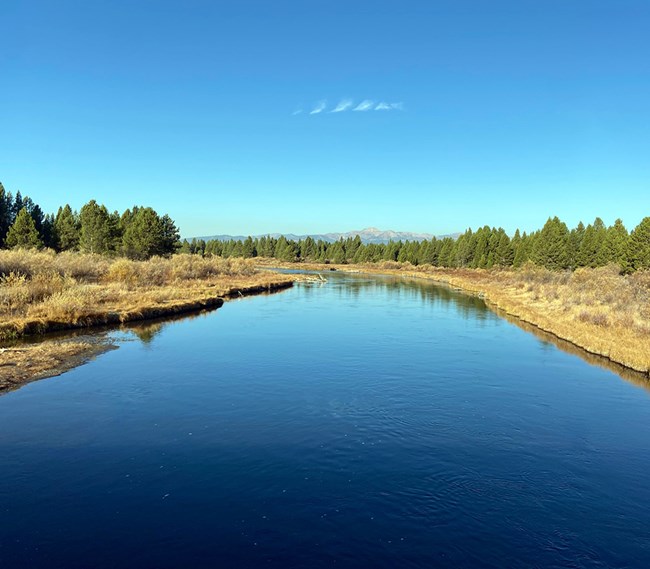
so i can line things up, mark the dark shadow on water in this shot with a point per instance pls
(637, 378)
(471, 306)
(106, 338)
(408, 288)
(145, 330)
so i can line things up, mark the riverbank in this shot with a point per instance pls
(42, 292)
(597, 310)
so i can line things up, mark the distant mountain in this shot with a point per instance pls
(368, 235)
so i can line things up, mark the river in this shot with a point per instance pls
(365, 422)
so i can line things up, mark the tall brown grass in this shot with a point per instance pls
(76, 288)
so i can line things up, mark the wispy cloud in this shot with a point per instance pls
(319, 108)
(348, 104)
(365, 105)
(344, 105)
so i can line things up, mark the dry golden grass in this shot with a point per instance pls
(41, 291)
(598, 310)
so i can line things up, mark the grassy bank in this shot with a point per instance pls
(44, 292)
(598, 310)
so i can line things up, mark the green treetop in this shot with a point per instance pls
(639, 246)
(23, 232)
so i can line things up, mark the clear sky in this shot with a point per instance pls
(500, 112)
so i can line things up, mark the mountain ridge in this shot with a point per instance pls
(368, 235)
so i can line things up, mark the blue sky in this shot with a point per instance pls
(506, 111)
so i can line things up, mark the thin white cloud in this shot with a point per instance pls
(344, 105)
(319, 108)
(364, 105)
(348, 104)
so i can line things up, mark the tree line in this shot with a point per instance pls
(137, 233)
(555, 246)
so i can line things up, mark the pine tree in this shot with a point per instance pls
(616, 244)
(17, 205)
(48, 232)
(171, 235)
(550, 246)
(575, 242)
(445, 257)
(504, 252)
(144, 235)
(352, 245)
(307, 248)
(96, 228)
(336, 252)
(478, 258)
(639, 246)
(286, 250)
(23, 233)
(66, 229)
(590, 253)
(6, 213)
(516, 244)
(464, 250)
(248, 249)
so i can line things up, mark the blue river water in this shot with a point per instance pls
(364, 422)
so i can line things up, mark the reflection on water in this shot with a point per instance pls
(364, 422)
(637, 378)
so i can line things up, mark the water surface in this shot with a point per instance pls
(367, 422)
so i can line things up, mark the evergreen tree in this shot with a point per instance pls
(464, 250)
(352, 245)
(504, 251)
(336, 252)
(575, 243)
(66, 229)
(550, 246)
(517, 245)
(6, 213)
(248, 249)
(307, 248)
(480, 253)
(48, 232)
(445, 257)
(590, 253)
(37, 214)
(391, 252)
(23, 232)
(639, 246)
(17, 205)
(616, 244)
(171, 235)
(144, 235)
(96, 234)
(286, 250)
